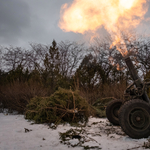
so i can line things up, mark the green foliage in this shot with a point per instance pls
(63, 105)
(3, 77)
(18, 74)
(87, 71)
(64, 65)
(102, 103)
(93, 72)
(52, 63)
(100, 106)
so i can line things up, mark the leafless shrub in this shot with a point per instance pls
(17, 95)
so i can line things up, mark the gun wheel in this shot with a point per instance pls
(112, 110)
(134, 118)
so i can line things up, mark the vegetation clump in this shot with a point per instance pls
(78, 138)
(62, 106)
(147, 144)
(100, 106)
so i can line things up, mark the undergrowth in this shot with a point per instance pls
(62, 106)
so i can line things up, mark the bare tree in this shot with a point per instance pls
(13, 57)
(37, 56)
(71, 55)
(143, 56)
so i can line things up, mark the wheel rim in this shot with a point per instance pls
(139, 119)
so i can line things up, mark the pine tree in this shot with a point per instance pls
(52, 64)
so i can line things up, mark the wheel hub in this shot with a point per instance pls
(138, 119)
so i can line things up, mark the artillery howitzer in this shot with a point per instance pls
(133, 112)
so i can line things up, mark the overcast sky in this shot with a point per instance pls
(36, 21)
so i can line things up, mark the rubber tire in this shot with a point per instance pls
(111, 109)
(128, 115)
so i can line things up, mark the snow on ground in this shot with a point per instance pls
(98, 132)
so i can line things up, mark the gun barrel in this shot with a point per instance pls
(135, 77)
(133, 72)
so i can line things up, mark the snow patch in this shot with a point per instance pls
(98, 133)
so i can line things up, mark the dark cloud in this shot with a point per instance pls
(26, 21)
(14, 18)
(44, 21)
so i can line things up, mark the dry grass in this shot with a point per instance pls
(112, 90)
(17, 95)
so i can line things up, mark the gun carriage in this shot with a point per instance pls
(133, 112)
